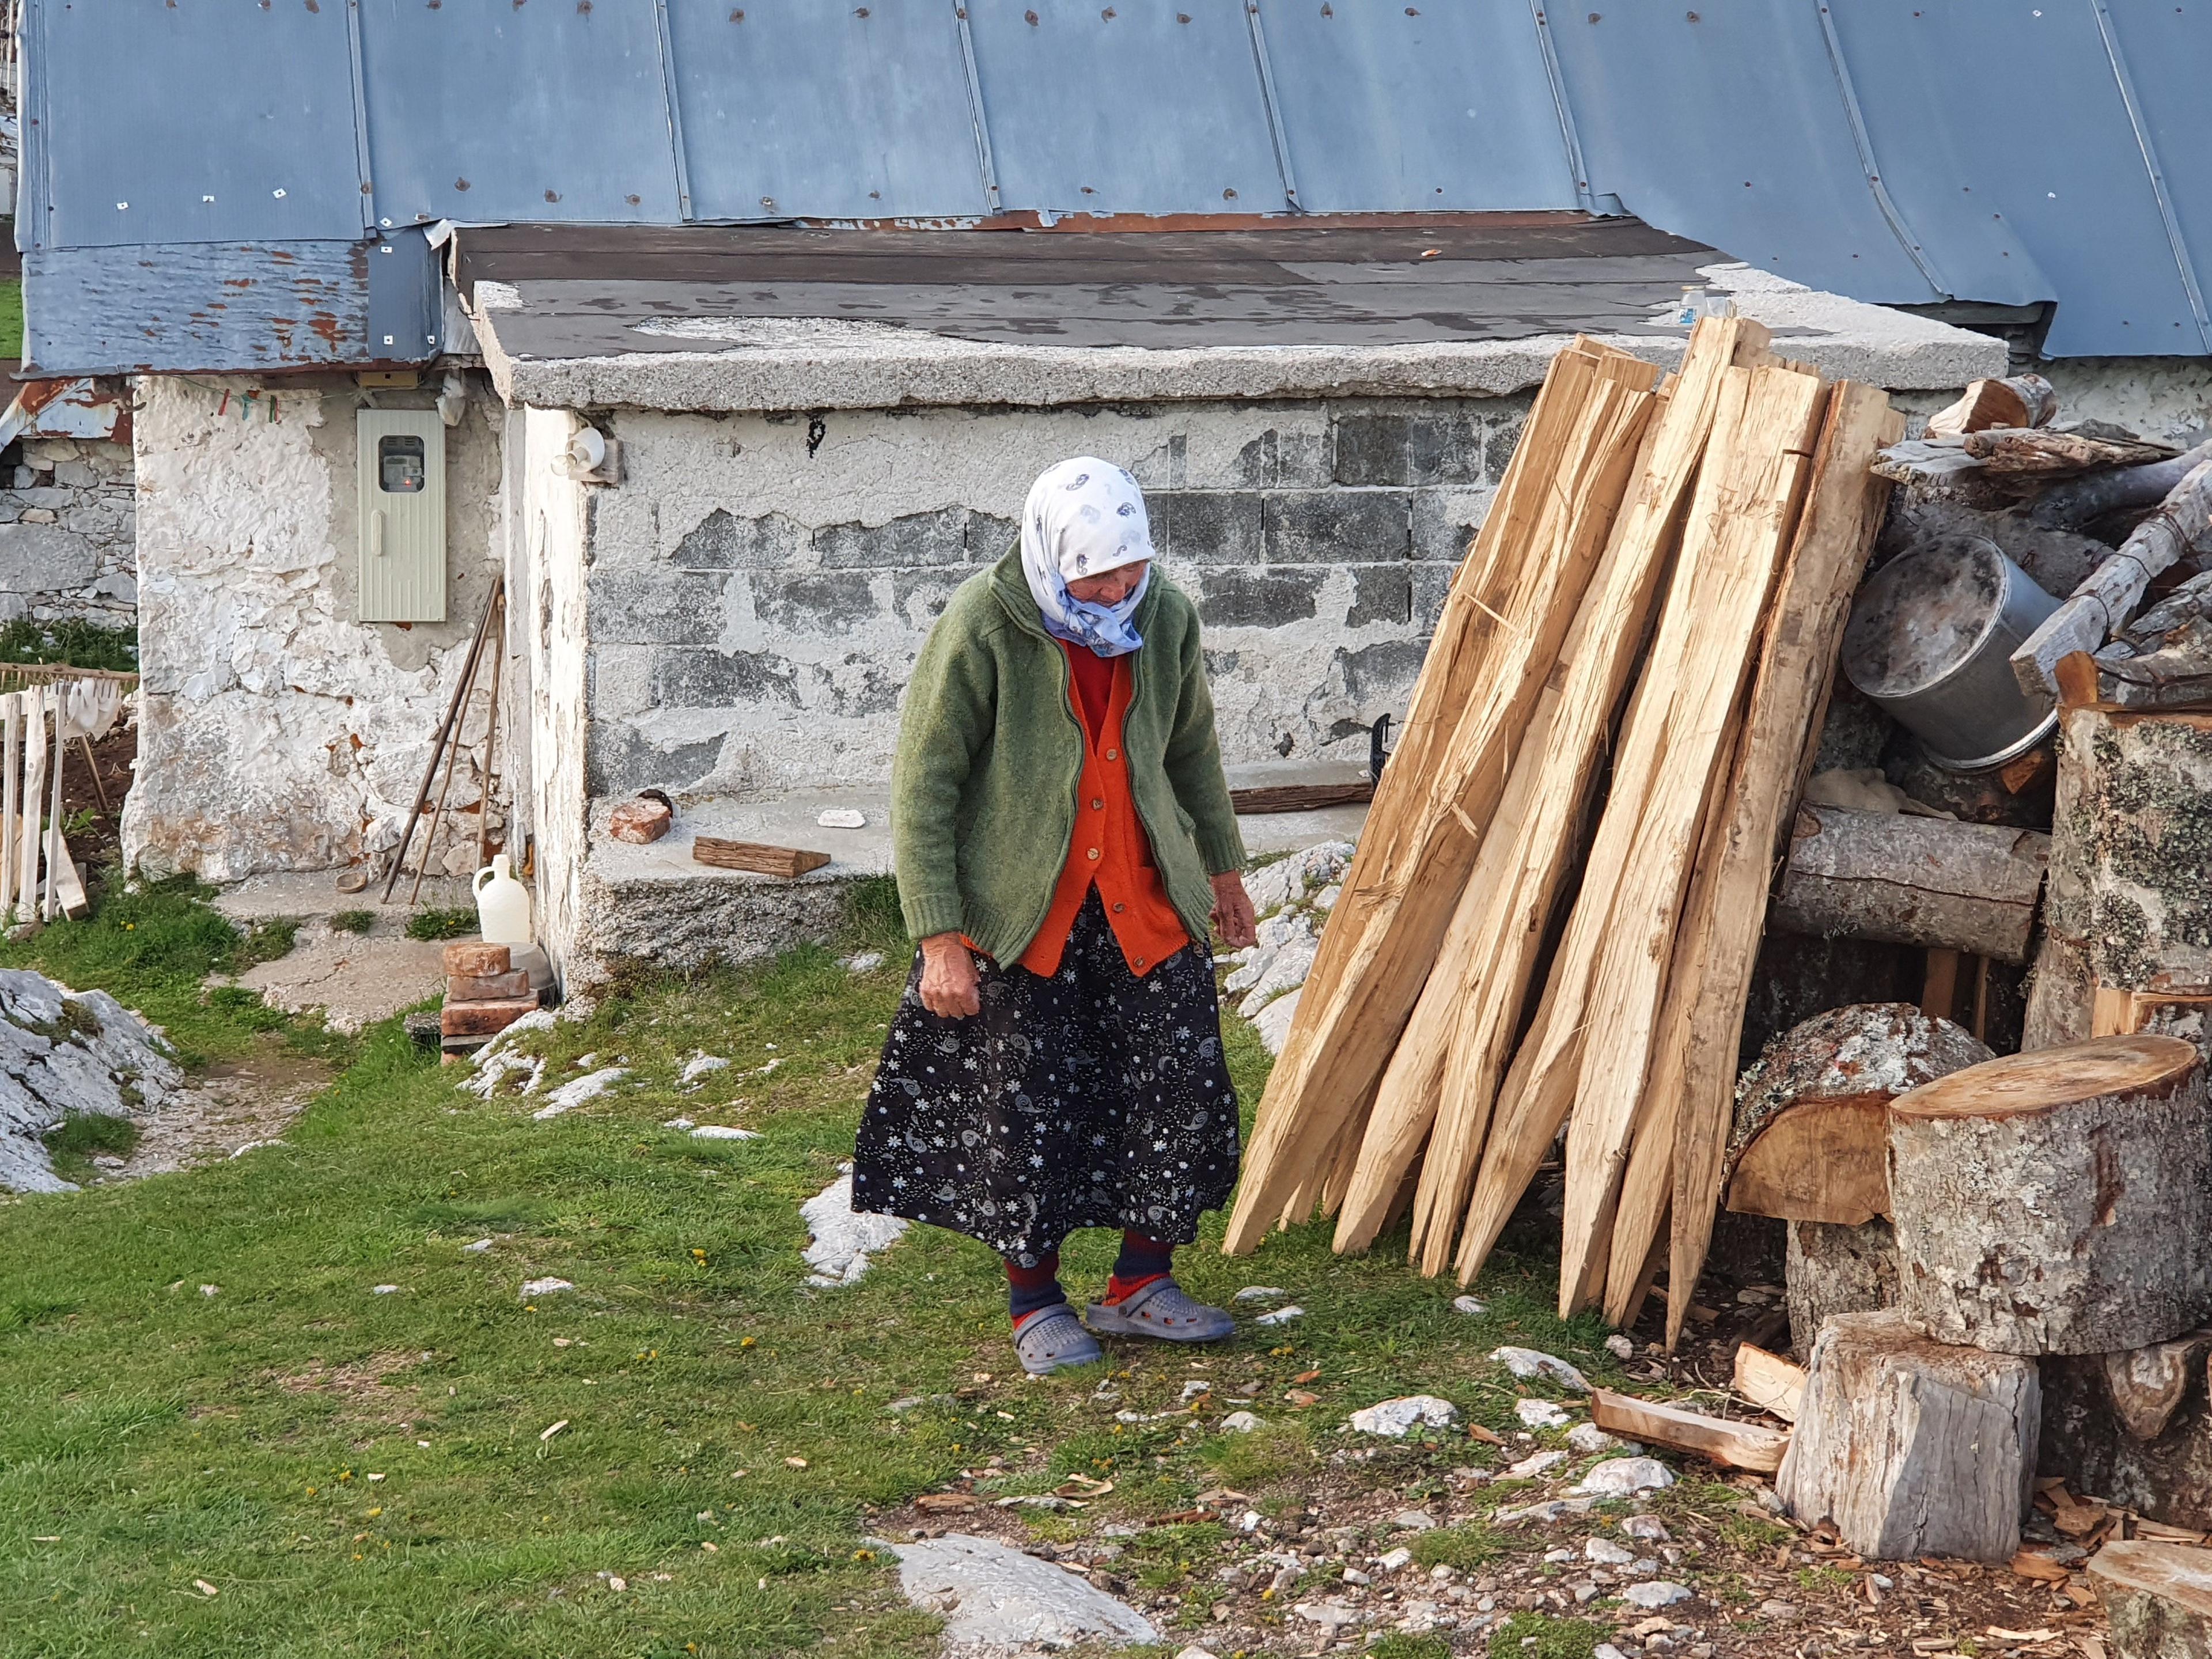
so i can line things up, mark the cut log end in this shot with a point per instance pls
(2141, 1066)
(2158, 1597)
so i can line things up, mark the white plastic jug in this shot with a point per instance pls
(502, 904)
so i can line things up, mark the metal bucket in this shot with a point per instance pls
(1929, 640)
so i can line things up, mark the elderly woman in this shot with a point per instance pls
(1064, 838)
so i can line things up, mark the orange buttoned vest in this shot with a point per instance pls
(1110, 849)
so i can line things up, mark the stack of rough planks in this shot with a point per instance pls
(1642, 639)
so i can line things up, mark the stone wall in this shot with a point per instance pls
(276, 731)
(67, 533)
(760, 585)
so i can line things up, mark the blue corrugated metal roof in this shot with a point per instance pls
(2003, 151)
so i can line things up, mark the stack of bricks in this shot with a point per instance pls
(485, 994)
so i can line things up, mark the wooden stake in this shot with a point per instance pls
(1939, 997)
(1740, 525)
(1844, 508)
(11, 784)
(34, 799)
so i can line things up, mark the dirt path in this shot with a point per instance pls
(238, 1105)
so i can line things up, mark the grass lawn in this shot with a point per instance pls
(219, 1438)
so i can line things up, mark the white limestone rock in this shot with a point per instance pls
(1654, 1593)
(844, 1240)
(699, 1064)
(1587, 1440)
(1394, 1420)
(1239, 1422)
(1624, 1477)
(1273, 1021)
(574, 1092)
(1535, 1464)
(68, 1054)
(1606, 1552)
(1540, 1414)
(993, 1597)
(1530, 1365)
(1286, 970)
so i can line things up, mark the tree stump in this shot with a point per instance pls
(2129, 899)
(2135, 1427)
(1830, 1269)
(2056, 1201)
(2158, 1597)
(1811, 1140)
(1910, 1447)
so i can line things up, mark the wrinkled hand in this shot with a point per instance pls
(950, 988)
(1232, 911)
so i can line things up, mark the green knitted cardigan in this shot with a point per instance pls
(983, 788)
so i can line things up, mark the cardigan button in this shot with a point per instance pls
(1140, 962)
(1098, 805)
(1113, 754)
(1119, 908)
(1094, 852)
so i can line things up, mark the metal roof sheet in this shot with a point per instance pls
(2007, 151)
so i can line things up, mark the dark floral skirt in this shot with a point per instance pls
(1093, 1098)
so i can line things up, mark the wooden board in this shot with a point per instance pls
(759, 857)
(1299, 797)
(1732, 1445)
(32, 802)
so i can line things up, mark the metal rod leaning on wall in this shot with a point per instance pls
(453, 718)
(496, 616)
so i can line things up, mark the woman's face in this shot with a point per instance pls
(1111, 588)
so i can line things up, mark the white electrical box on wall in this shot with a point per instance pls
(401, 469)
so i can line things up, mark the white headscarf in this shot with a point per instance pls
(1083, 518)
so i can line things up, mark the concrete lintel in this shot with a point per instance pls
(803, 366)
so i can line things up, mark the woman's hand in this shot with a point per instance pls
(1232, 911)
(950, 988)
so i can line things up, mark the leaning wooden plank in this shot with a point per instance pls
(1483, 954)
(1647, 1186)
(758, 857)
(1770, 1381)
(69, 885)
(33, 800)
(11, 785)
(2111, 591)
(1844, 507)
(1533, 557)
(1901, 880)
(1733, 1445)
(56, 847)
(1498, 964)
(1743, 513)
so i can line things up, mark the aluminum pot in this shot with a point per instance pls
(1929, 640)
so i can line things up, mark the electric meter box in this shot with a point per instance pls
(402, 515)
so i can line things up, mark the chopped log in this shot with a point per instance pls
(1912, 881)
(2079, 501)
(1829, 1269)
(1732, 1445)
(1299, 797)
(1508, 611)
(2015, 456)
(1842, 510)
(471, 956)
(1810, 1140)
(2056, 1201)
(1770, 1381)
(2162, 660)
(1610, 974)
(2022, 400)
(2157, 1596)
(2113, 591)
(2135, 1426)
(2131, 899)
(759, 857)
(1911, 1448)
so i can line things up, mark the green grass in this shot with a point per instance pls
(11, 318)
(1553, 1638)
(82, 1136)
(156, 1437)
(79, 643)
(353, 921)
(441, 921)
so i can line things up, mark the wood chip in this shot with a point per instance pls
(943, 1502)
(2041, 1568)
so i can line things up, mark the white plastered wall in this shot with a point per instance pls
(556, 519)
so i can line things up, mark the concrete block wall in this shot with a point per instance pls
(760, 585)
(69, 533)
